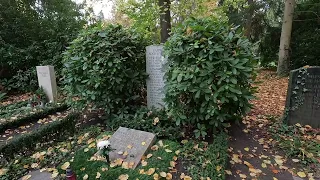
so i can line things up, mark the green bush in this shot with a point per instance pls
(23, 81)
(105, 66)
(155, 121)
(210, 74)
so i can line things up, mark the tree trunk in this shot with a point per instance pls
(248, 27)
(165, 24)
(284, 49)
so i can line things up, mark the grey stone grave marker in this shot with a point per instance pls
(303, 97)
(47, 80)
(155, 82)
(133, 142)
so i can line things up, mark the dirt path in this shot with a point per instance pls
(252, 152)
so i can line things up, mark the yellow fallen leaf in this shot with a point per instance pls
(65, 166)
(141, 171)
(246, 149)
(228, 172)
(125, 165)
(129, 146)
(34, 165)
(184, 141)
(98, 175)
(86, 150)
(188, 178)
(151, 171)
(218, 168)
(172, 164)
(169, 176)
(144, 163)
(168, 150)
(54, 174)
(149, 156)
(104, 169)
(175, 158)
(301, 174)
(263, 165)
(275, 178)
(156, 176)
(155, 121)
(143, 143)
(123, 177)
(177, 152)
(82, 169)
(295, 160)
(243, 176)
(26, 177)
(160, 143)
(85, 177)
(163, 174)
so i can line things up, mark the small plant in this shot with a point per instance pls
(2, 96)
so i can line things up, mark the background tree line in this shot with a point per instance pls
(36, 32)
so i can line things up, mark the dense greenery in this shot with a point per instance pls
(105, 65)
(210, 74)
(155, 121)
(34, 33)
(306, 35)
(25, 143)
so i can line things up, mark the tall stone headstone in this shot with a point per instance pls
(47, 80)
(155, 82)
(303, 97)
(132, 145)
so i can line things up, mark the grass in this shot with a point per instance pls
(160, 161)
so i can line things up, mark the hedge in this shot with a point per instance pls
(32, 117)
(27, 142)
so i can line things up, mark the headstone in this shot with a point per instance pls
(47, 80)
(37, 175)
(155, 82)
(303, 97)
(132, 142)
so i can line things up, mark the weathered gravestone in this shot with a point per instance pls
(303, 97)
(133, 143)
(155, 82)
(47, 80)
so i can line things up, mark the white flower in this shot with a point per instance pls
(103, 144)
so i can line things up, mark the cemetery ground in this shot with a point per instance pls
(261, 147)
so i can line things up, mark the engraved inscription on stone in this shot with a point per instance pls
(133, 142)
(155, 70)
(47, 80)
(303, 97)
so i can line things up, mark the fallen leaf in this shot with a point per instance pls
(160, 143)
(86, 150)
(168, 150)
(154, 147)
(123, 177)
(246, 149)
(129, 146)
(54, 174)
(26, 177)
(163, 174)
(144, 163)
(143, 143)
(243, 176)
(301, 174)
(295, 160)
(151, 171)
(149, 156)
(275, 178)
(65, 166)
(98, 175)
(169, 176)
(85, 177)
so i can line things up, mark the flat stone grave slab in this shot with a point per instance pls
(133, 143)
(303, 97)
(37, 175)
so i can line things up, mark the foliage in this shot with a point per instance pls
(25, 143)
(34, 33)
(210, 74)
(29, 116)
(24, 81)
(144, 16)
(297, 141)
(2, 96)
(155, 121)
(200, 153)
(306, 35)
(105, 66)
(48, 153)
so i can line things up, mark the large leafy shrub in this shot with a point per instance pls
(210, 74)
(105, 66)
